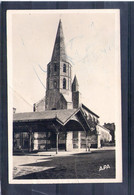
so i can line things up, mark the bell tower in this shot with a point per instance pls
(59, 76)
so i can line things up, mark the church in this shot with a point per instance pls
(59, 121)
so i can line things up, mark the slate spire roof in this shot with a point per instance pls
(59, 53)
(75, 85)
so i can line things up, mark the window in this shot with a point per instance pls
(55, 84)
(64, 83)
(64, 67)
(55, 67)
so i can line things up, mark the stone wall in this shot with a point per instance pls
(104, 134)
(39, 106)
(55, 100)
(75, 99)
(35, 141)
(111, 127)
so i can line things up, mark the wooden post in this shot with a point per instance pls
(79, 140)
(65, 141)
(20, 146)
(30, 141)
(86, 143)
(57, 140)
(46, 139)
(14, 141)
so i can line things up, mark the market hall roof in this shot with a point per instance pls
(47, 119)
(62, 115)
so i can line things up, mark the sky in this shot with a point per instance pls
(92, 39)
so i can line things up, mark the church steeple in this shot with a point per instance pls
(59, 53)
(59, 76)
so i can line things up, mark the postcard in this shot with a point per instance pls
(64, 96)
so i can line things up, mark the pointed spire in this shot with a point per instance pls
(75, 85)
(59, 53)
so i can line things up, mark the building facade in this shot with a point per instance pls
(111, 127)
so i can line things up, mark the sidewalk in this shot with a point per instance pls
(65, 153)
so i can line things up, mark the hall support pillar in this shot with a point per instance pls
(21, 140)
(98, 134)
(35, 141)
(69, 141)
(79, 140)
(57, 129)
(30, 141)
(65, 141)
(46, 140)
(57, 141)
(98, 140)
(86, 142)
(14, 141)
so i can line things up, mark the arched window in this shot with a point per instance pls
(55, 67)
(55, 84)
(64, 67)
(64, 83)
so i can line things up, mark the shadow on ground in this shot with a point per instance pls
(77, 166)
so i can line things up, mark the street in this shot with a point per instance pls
(65, 165)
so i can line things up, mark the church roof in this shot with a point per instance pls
(59, 53)
(103, 127)
(88, 110)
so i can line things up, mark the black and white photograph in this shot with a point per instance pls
(64, 96)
